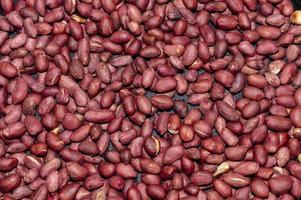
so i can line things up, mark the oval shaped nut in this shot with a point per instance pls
(228, 137)
(106, 26)
(80, 97)
(80, 134)
(54, 15)
(52, 181)
(22, 192)
(238, 83)
(166, 84)
(31, 175)
(156, 192)
(275, 20)
(76, 30)
(236, 180)
(259, 188)
(99, 116)
(8, 163)
(93, 182)
(235, 6)
(76, 171)
(14, 130)
(69, 191)
(133, 193)
(134, 13)
(50, 166)
(173, 153)
(220, 48)
(144, 105)
(134, 48)
(9, 183)
(186, 132)
(38, 149)
(42, 28)
(88, 147)
(282, 156)
(227, 22)
(150, 52)
(253, 93)
(236, 153)
(14, 115)
(259, 134)
(153, 22)
(162, 102)
(120, 37)
(125, 171)
(289, 70)
(121, 61)
(201, 178)
(280, 184)
(258, 81)
(151, 146)
(148, 77)
(83, 52)
(8, 70)
(54, 142)
(251, 109)
(71, 122)
(18, 41)
(174, 50)
(224, 77)
(214, 145)
(7, 6)
(222, 188)
(247, 48)
(266, 47)
(41, 192)
(150, 166)
(76, 69)
(107, 99)
(201, 86)
(20, 91)
(277, 123)
(53, 76)
(190, 54)
(295, 116)
(113, 126)
(103, 143)
(268, 32)
(187, 165)
(297, 96)
(127, 137)
(128, 104)
(292, 53)
(271, 143)
(295, 169)
(247, 168)
(243, 193)
(226, 111)
(103, 73)
(202, 128)
(203, 51)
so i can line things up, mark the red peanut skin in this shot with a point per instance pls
(10, 183)
(112, 99)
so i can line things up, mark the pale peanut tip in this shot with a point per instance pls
(299, 158)
(221, 169)
(296, 17)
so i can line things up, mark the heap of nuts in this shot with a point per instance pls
(150, 100)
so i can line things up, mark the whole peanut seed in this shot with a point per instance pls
(146, 99)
